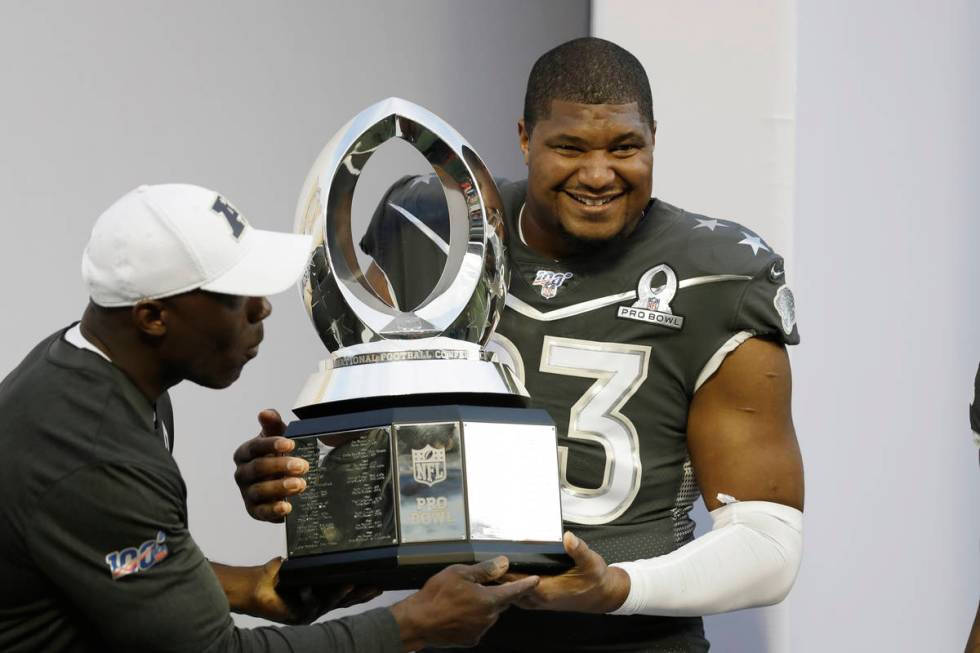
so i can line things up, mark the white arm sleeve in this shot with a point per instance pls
(749, 559)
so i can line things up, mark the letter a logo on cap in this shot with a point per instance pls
(231, 215)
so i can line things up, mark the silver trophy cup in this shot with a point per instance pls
(422, 451)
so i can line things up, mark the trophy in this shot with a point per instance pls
(422, 450)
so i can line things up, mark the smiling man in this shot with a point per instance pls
(95, 552)
(655, 338)
(577, 198)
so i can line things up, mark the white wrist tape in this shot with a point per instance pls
(749, 559)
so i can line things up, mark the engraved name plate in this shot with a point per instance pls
(349, 501)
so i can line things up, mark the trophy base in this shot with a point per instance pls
(408, 566)
(396, 494)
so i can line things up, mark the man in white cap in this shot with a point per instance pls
(95, 552)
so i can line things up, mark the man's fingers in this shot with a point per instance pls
(486, 571)
(271, 422)
(511, 576)
(578, 550)
(270, 467)
(260, 446)
(570, 542)
(272, 491)
(268, 442)
(509, 592)
(274, 512)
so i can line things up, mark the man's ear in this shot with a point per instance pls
(653, 134)
(525, 137)
(148, 316)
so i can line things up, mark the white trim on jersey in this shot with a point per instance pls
(424, 228)
(719, 356)
(712, 278)
(163, 430)
(74, 337)
(529, 311)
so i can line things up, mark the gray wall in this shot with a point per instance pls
(883, 262)
(99, 97)
(888, 151)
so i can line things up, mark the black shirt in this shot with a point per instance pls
(95, 553)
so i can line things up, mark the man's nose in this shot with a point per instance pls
(596, 171)
(259, 308)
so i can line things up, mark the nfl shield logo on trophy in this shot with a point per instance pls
(429, 465)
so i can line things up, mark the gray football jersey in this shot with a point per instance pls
(613, 344)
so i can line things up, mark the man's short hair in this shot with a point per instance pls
(588, 71)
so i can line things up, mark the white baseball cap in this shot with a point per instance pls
(158, 241)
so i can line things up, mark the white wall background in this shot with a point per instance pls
(881, 239)
(887, 236)
(101, 96)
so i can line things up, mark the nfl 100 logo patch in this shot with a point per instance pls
(133, 559)
(550, 282)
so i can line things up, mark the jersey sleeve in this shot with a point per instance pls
(113, 540)
(767, 307)
(408, 237)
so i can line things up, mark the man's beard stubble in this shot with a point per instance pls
(592, 246)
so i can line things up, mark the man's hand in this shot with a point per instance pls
(589, 586)
(252, 591)
(454, 608)
(264, 474)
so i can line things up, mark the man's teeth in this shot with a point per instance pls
(588, 201)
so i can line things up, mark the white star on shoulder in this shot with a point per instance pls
(754, 242)
(707, 224)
